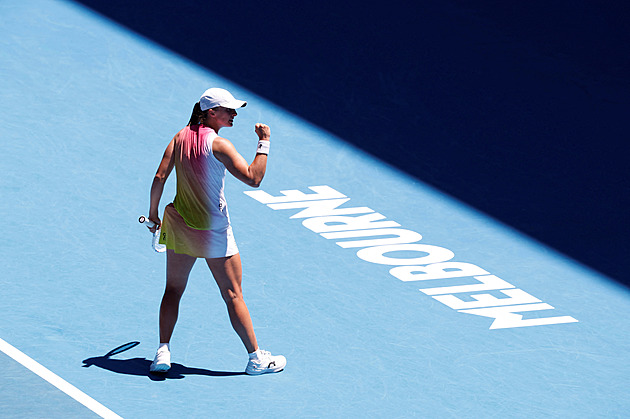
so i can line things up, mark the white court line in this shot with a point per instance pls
(57, 381)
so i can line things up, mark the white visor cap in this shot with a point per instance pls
(215, 96)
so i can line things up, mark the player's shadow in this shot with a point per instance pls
(140, 366)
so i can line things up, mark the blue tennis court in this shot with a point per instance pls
(388, 296)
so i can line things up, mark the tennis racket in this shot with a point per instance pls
(155, 242)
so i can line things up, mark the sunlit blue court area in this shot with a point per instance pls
(428, 248)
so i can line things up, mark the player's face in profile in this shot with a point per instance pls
(225, 116)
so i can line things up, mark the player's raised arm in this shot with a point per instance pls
(253, 173)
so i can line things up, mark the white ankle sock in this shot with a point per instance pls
(255, 354)
(167, 345)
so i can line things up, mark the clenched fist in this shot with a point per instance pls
(263, 131)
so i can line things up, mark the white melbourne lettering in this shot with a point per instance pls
(379, 239)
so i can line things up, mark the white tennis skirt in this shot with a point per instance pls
(181, 238)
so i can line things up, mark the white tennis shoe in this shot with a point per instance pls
(162, 361)
(265, 363)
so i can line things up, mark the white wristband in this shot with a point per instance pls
(263, 146)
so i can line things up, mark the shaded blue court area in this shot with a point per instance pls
(388, 296)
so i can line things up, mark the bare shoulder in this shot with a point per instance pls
(222, 145)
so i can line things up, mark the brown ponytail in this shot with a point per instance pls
(197, 115)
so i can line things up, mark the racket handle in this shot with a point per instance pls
(155, 243)
(144, 220)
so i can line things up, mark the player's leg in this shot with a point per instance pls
(227, 273)
(178, 269)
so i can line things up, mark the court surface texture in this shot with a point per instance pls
(404, 302)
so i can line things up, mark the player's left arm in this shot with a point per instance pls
(157, 187)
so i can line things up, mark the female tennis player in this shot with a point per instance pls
(197, 223)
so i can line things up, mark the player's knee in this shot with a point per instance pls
(174, 290)
(231, 296)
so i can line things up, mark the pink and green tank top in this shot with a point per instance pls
(200, 180)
